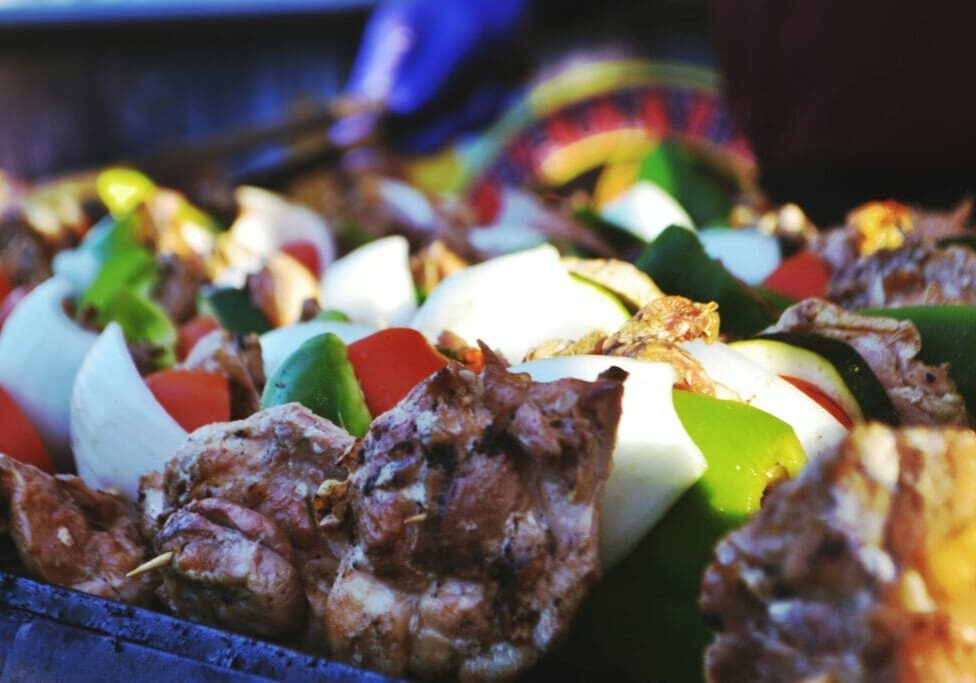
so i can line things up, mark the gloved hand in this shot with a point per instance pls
(435, 66)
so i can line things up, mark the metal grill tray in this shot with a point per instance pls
(53, 634)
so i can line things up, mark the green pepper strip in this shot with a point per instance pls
(320, 377)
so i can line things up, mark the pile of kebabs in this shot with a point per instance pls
(460, 536)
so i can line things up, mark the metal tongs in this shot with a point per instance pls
(315, 137)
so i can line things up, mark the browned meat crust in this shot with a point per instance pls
(69, 535)
(920, 393)
(237, 358)
(270, 464)
(915, 271)
(231, 565)
(861, 569)
(473, 508)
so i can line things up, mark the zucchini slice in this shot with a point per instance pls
(862, 384)
(790, 360)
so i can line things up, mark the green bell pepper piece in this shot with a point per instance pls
(332, 315)
(948, 336)
(677, 262)
(236, 312)
(320, 377)
(641, 622)
(128, 267)
(142, 320)
(700, 190)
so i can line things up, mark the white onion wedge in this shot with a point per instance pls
(654, 460)
(41, 349)
(80, 265)
(373, 285)
(515, 302)
(817, 430)
(278, 344)
(645, 210)
(119, 431)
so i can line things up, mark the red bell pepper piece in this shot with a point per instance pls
(825, 402)
(390, 363)
(801, 276)
(18, 438)
(192, 397)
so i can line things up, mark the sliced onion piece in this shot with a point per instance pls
(373, 285)
(41, 349)
(119, 431)
(515, 302)
(277, 345)
(654, 460)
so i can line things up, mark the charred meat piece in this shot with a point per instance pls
(473, 508)
(860, 569)
(890, 256)
(25, 258)
(69, 535)
(920, 393)
(237, 358)
(272, 463)
(230, 565)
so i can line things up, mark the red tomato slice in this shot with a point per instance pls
(305, 253)
(193, 331)
(390, 363)
(11, 300)
(801, 276)
(817, 394)
(192, 397)
(18, 438)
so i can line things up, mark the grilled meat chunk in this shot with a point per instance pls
(271, 464)
(920, 393)
(906, 265)
(860, 569)
(654, 333)
(238, 359)
(231, 565)
(69, 535)
(473, 510)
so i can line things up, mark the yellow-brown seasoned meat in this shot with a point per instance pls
(859, 570)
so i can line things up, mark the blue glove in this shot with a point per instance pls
(430, 64)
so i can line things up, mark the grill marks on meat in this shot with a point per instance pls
(858, 570)
(71, 536)
(920, 393)
(237, 358)
(242, 557)
(264, 471)
(473, 508)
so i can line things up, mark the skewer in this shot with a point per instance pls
(416, 519)
(155, 563)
